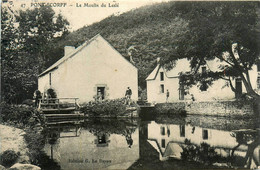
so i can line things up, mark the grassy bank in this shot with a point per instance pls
(30, 121)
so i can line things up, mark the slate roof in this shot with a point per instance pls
(181, 65)
(63, 59)
(78, 49)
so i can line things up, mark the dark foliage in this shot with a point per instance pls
(8, 158)
(23, 48)
(51, 93)
(19, 115)
(203, 153)
(170, 110)
(110, 108)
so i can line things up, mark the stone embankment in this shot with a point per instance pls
(13, 139)
(221, 108)
(212, 108)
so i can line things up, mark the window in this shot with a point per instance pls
(182, 130)
(162, 88)
(181, 92)
(203, 69)
(102, 139)
(100, 93)
(162, 130)
(258, 82)
(258, 66)
(163, 143)
(205, 134)
(161, 76)
(50, 78)
(203, 86)
(238, 87)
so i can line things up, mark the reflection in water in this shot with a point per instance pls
(98, 144)
(249, 138)
(203, 145)
(122, 144)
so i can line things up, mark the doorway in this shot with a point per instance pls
(102, 91)
(181, 92)
(238, 88)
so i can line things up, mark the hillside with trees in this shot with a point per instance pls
(145, 34)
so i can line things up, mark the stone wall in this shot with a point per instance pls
(221, 108)
(214, 108)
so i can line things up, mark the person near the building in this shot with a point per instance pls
(128, 94)
(167, 95)
(37, 96)
(99, 95)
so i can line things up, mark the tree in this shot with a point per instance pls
(219, 30)
(26, 35)
(249, 138)
(9, 53)
(38, 29)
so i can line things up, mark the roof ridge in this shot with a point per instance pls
(65, 57)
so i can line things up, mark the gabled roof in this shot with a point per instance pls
(154, 73)
(66, 57)
(172, 149)
(181, 65)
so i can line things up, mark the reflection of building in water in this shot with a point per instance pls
(60, 131)
(89, 151)
(168, 139)
(102, 140)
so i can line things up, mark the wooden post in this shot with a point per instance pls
(51, 152)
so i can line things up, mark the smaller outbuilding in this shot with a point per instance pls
(165, 86)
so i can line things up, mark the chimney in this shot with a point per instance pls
(68, 50)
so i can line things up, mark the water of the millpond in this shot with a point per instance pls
(161, 143)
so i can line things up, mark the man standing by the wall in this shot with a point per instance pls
(167, 95)
(128, 94)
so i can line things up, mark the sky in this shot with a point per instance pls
(81, 13)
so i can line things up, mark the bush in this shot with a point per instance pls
(18, 115)
(35, 142)
(111, 108)
(8, 158)
(51, 93)
(170, 110)
(28, 102)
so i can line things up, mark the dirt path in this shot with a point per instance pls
(12, 138)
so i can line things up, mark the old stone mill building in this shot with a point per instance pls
(94, 66)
